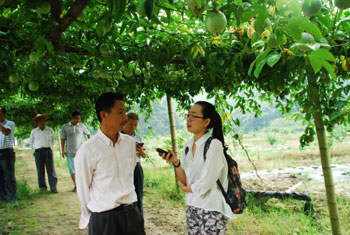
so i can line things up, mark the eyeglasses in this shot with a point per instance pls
(192, 117)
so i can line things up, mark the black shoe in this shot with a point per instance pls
(54, 191)
(74, 190)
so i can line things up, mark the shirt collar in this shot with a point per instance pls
(201, 140)
(4, 122)
(107, 140)
(70, 123)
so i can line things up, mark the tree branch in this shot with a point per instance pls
(56, 9)
(68, 19)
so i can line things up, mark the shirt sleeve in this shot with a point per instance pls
(63, 133)
(85, 130)
(31, 139)
(211, 170)
(10, 126)
(83, 173)
(52, 137)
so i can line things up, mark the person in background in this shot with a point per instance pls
(129, 129)
(41, 139)
(72, 135)
(105, 167)
(207, 211)
(8, 186)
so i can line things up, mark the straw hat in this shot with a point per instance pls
(39, 116)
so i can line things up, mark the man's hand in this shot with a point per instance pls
(141, 151)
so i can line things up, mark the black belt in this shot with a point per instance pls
(6, 150)
(42, 149)
(126, 207)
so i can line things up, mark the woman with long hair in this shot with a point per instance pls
(207, 211)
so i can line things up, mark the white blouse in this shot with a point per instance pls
(202, 176)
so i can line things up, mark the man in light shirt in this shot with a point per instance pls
(41, 139)
(104, 174)
(129, 129)
(72, 135)
(8, 186)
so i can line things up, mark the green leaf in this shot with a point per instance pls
(259, 67)
(296, 26)
(272, 59)
(316, 63)
(334, 116)
(323, 54)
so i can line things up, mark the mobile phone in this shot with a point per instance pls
(161, 151)
(140, 144)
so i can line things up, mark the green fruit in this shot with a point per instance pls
(127, 72)
(119, 74)
(140, 8)
(33, 86)
(137, 71)
(306, 38)
(81, 17)
(13, 78)
(95, 74)
(342, 4)
(311, 7)
(147, 74)
(34, 57)
(104, 48)
(151, 68)
(104, 74)
(216, 22)
(259, 28)
(44, 8)
(197, 7)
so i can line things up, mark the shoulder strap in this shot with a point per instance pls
(206, 147)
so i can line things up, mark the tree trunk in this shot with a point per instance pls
(173, 132)
(325, 160)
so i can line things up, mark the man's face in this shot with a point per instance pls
(41, 123)
(116, 118)
(75, 120)
(130, 126)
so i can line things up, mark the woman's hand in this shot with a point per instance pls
(172, 159)
(141, 151)
(184, 187)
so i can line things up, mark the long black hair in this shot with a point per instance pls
(208, 111)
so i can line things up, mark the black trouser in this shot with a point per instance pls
(43, 157)
(120, 221)
(138, 183)
(8, 186)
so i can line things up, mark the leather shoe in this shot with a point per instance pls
(54, 191)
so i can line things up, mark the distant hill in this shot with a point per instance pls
(159, 120)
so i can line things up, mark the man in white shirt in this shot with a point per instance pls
(72, 135)
(8, 186)
(104, 168)
(41, 139)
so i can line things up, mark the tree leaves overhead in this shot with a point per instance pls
(260, 50)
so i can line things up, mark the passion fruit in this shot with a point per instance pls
(33, 86)
(216, 22)
(311, 7)
(342, 4)
(197, 7)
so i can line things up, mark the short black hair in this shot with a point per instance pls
(133, 116)
(105, 102)
(2, 109)
(75, 113)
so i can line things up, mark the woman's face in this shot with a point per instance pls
(195, 121)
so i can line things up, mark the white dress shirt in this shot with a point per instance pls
(202, 175)
(105, 174)
(42, 138)
(7, 141)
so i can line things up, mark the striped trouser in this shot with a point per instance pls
(200, 221)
